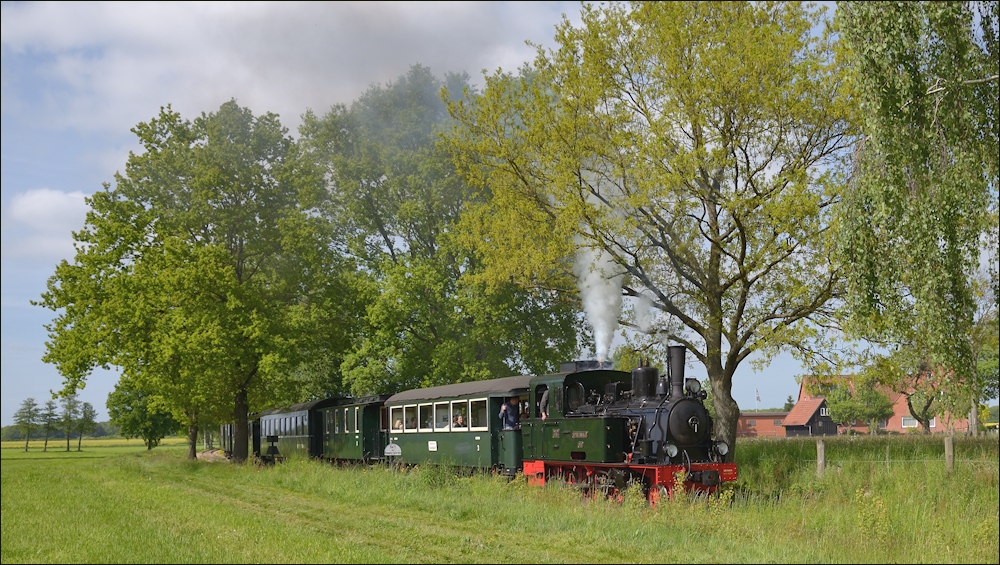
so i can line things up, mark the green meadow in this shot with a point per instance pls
(879, 500)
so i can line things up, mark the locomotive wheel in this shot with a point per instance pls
(658, 494)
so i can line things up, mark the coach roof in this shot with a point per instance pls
(511, 385)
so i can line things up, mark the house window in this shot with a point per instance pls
(777, 422)
(933, 422)
(751, 423)
(824, 411)
(883, 424)
(909, 422)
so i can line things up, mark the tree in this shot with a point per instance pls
(921, 208)
(70, 413)
(26, 418)
(842, 407)
(858, 399)
(428, 320)
(684, 154)
(49, 417)
(789, 404)
(137, 413)
(86, 423)
(206, 274)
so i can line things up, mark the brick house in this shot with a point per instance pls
(761, 424)
(810, 416)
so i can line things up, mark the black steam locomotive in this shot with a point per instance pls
(604, 430)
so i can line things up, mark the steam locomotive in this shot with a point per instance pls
(605, 430)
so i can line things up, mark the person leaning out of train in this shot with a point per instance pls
(543, 404)
(509, 416)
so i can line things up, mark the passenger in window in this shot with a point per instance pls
(543, 404)
(459, 420)
(509, 416)
(398, 425)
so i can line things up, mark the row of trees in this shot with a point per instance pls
(133, 415)
(718, 164)
(72, 417)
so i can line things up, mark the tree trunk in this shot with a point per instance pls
(27, 437)
(46, 446)
(79, 442)
(241, 435)
(727, 411)
(974, 418)
(192, 441)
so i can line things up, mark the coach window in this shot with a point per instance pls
(356, 428)
(347, 420)
(460, 415)
(479, 421)
(410, 418)
(396, 418)
(442, 417)
(425, 413)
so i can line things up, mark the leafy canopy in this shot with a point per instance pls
(693, 148)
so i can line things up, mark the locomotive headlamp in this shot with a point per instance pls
(693, 385)
(671, 449)
(722, 448)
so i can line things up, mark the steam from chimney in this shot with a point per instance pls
(601, 292)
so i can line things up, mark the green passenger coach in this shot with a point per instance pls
(456, 424)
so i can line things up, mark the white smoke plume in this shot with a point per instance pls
(601, 293)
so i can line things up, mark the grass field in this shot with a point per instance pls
(122, 504)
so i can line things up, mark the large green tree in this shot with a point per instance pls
(206, 274)
(137, 413)
(429, 321)
(692, 149)
(919, 216)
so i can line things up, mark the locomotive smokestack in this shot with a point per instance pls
(676, 358)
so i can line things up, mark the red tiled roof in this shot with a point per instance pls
(803, 411)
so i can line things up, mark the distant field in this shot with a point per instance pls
(59, 445)
(887, 500)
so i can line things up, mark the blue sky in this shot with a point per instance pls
(76, 77)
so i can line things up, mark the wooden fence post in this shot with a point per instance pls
(820, 457)
(949, 452)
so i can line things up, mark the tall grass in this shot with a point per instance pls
(158, 507)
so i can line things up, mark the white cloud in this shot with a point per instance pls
(111, 65)
(38, 224)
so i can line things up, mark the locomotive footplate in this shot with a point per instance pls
(699, 476)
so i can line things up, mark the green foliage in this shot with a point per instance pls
(27, 418)
(86, 423)
(861, 400)
(696, 146)
(69, 416)
(207, 274)
(137, 413)
(789, 404)
(397, 199)
(921, 211)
